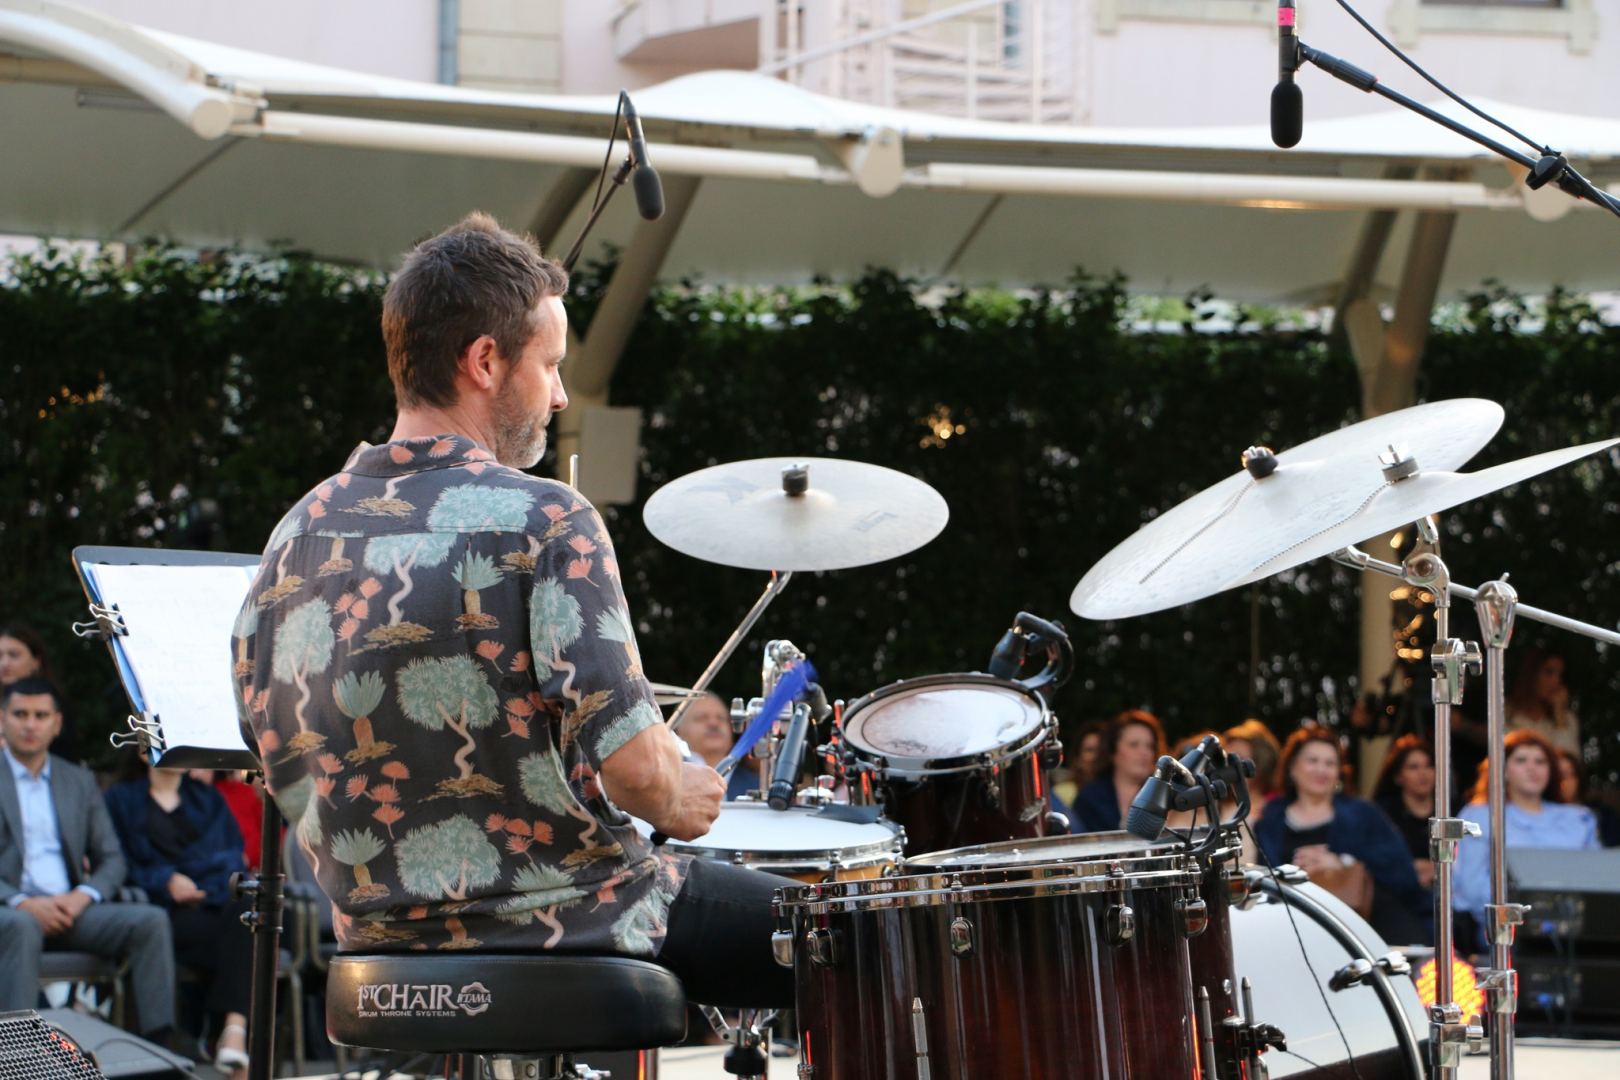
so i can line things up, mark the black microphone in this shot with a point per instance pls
(785, 777)
(1151, 807)
(1008, 656)
(649, 191)
(1287, 103)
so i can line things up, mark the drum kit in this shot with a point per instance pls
(938, 916)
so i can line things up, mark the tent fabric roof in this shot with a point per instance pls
(355, 167)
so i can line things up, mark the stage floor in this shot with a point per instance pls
(1565, 1060)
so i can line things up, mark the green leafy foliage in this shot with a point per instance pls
(169, 401)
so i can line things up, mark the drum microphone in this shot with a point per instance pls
(790, 754)
(1287, 102)
(1151, 807)
(649, 190)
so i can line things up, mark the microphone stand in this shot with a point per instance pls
(1551, 167)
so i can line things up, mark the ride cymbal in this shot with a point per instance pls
(1227, 532)
(796, 514)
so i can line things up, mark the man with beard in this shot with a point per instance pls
(438, 667)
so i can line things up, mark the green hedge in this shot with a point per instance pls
(185, 403)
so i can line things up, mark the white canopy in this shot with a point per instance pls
(111, 131)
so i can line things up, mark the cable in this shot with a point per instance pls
(607, 158)
(1304, 953)
(1302, 1057)
(1437, 84)
(1589, 190)
(169, 1059)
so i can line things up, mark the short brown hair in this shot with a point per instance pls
(1131, 718)
(474, 278)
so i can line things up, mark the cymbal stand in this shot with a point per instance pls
(778, 582)
(1495, 608)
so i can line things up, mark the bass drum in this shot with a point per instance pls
(1373, 1029)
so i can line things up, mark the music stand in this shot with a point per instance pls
(166, 615)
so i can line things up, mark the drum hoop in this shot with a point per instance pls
(939, 861)
(916, 768)
(853, 856)
(937, 890)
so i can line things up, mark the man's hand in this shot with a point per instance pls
(73, 903)
(1425, 872)
(699, 798)
(52, 919)
(184, 891)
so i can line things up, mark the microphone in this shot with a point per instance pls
(1287, 103)
(1151, 807)
(649, 191)
(784, 778)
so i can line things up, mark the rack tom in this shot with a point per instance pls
(1055, 958)
(955, 759)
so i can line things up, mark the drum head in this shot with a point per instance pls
(944, 721)
(751, 833)
(1088, 847)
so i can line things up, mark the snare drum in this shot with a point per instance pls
(799, 842)
(955, 758)
(1054, 958)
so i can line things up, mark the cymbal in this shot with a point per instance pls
(1426, 493)
(849, 514)
(1219, 537)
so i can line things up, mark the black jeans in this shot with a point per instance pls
(719, 938)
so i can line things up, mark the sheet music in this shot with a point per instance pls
(178, 646)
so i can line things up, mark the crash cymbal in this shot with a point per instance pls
(847, 513)
(1219, 537)
(1406, 501)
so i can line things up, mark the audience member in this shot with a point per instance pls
(706, 728)
(1536, 816)
(1538, 700)
(247, 807)
(1405, 792)
(61, 868)
(183, 846)
(1344, 843)
(1253, 739)
(1573, 785)
(1134, 745)
(22, 656)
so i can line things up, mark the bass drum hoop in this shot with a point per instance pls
(1341, 932)
(1021, 882)
(798, 860)
(920, 768)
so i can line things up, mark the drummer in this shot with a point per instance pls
(467, 622)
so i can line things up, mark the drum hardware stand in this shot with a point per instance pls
(778, 582)
(919, 1036)
(746, 1056)
(1250, 1037)
(1495, 608)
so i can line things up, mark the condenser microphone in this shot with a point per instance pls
(1287, 103)
(649, 190)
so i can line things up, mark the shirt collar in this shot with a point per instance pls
(404, 456)
(19, 771)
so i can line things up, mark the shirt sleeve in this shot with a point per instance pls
(1471, 879)
(582, 640)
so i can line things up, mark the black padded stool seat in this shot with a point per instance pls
(502, 1003)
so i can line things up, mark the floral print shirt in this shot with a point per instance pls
(434, 660)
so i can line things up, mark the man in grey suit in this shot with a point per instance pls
(61, 867)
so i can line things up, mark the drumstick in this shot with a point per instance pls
(788, 687)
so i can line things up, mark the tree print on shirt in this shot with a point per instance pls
(357, 697)
(303, 647)
(541, 777)
(474, 507)
(643, 924)
(451, 692)
(475, 572)
(401, 554)
(445, 861)
(542, 892)
(355, 848)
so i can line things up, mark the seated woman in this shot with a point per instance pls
(1134, 744)
(183, 845)
(1344, 843)
(1405, 792)
(1535, 814)
(1574, 784)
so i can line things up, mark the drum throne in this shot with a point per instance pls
(523, 1016)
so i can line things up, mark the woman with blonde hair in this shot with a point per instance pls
(1253, 739)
